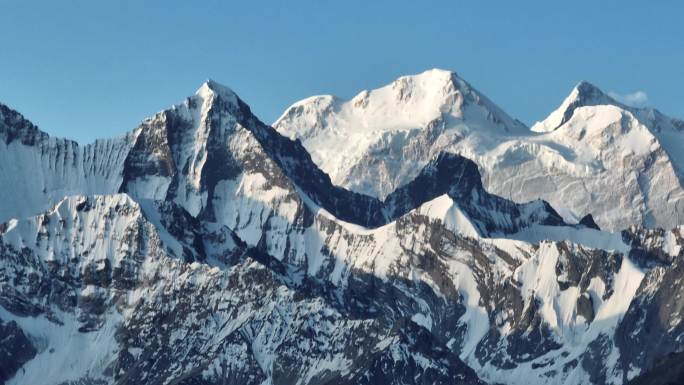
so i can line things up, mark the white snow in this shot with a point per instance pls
(444, 209)
(389, 117)
(64, 352)
(583, 236)
(670, 244)
(580, 162)
(592, 155)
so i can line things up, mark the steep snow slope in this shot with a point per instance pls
(281, 277)
(591, 155)
(97, 283)
(618, 163)
(37, 170)
(212, 157)
(668, 131)
(97, 288)
(601, 161)
(395, 124)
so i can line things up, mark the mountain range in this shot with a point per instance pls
(592, 155)
(415, 234)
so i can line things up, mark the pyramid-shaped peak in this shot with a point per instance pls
(213, 88)
(582, 95)
(586, 93)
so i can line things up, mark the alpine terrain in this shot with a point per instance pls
(415, 234)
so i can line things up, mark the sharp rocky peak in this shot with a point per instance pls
(183, 153)
(210, 111)
(584, 94)
(13, 126)
(211, 89)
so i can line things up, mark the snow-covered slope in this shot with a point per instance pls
(102, 304)
(212, 157)
(618, 163)
(590, 156)
(119, 303)
(220, 253)
(38, 170)
(379, 139)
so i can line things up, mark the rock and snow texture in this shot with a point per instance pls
(38, 171)
(592, 155)
(205, 248)
(382, 137)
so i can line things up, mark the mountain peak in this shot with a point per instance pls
(439, 72)
(434, 86)
(435, 74)
(582, 95)
(13, 126)
(211, 88)
(586, 93)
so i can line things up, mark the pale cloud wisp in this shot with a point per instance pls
(634, 99)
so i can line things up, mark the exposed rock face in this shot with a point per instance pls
(153, 315)
(220, 254)
(15, 349)
(652, 327)
(669, 370)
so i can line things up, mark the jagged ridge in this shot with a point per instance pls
(592, 155)
(297, 298)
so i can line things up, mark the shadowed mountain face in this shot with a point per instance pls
(206, 248)
(668, 370)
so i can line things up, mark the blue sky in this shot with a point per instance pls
(88, 69)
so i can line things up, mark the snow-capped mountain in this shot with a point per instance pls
(592, 155)
(383, 137)
(206, 248)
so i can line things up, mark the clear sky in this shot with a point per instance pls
(88, 69)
